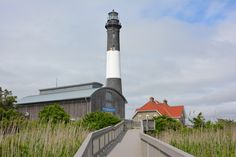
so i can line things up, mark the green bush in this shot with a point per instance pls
(226, 123)
(10, 120)
(199, 121)
(98, 120)
(166, 123)
(54, 113)
(10, 115)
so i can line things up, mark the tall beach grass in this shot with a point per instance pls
(203, 142)
(35, 139)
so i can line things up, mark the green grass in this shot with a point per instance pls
(36, 139)
(203, 142)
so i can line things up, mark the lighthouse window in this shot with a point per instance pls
(113, 35)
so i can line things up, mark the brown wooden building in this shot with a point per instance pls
(77, 100)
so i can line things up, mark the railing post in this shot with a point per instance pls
(99, 147)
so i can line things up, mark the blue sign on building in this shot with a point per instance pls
(108, 109)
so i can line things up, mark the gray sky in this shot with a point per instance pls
(180, 50)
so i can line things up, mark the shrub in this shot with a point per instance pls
(54, 113)
(226, 123)
(199, 121)
(10, 116)
(98, 120)
(165, 123)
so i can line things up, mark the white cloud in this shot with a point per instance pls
(162, 56)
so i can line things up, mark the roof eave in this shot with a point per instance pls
(38, 102)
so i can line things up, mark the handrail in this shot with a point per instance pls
(151, 146)
(131, 124)
(98, 141)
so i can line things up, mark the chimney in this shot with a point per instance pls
(151, 99)
(165, 102)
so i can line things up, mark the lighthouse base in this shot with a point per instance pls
(114, 83)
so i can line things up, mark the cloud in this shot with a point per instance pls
(180, 51)
(224, 111)
(185, 63)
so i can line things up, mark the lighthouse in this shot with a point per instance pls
(113, 69)
(91, 96)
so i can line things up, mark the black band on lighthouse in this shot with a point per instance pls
(113, 27)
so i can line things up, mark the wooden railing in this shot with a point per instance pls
(97, 142)
(130, 124)
(151, 147)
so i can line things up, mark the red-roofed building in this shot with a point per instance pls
(154, 108)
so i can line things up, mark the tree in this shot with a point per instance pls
(165, 123)
(54, 113)
(199, 121)
(7, 100)
(7, 109)
(98, 120)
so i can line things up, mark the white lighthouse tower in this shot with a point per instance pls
(113, 72)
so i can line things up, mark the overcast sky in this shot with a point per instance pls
(180, 50)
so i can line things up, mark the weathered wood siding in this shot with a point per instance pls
(76, 108)
(108, 98)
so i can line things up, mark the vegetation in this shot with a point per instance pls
(98, 120)
(166, 123)
(7, 100)
(36, 139)
(206, 138)
(203, 142)
(54, 113)
(8, 113)
(52, 135)
(198, 122)
(7, 108)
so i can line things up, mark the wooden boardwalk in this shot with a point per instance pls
(130, 145)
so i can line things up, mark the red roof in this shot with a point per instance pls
(163, 109)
